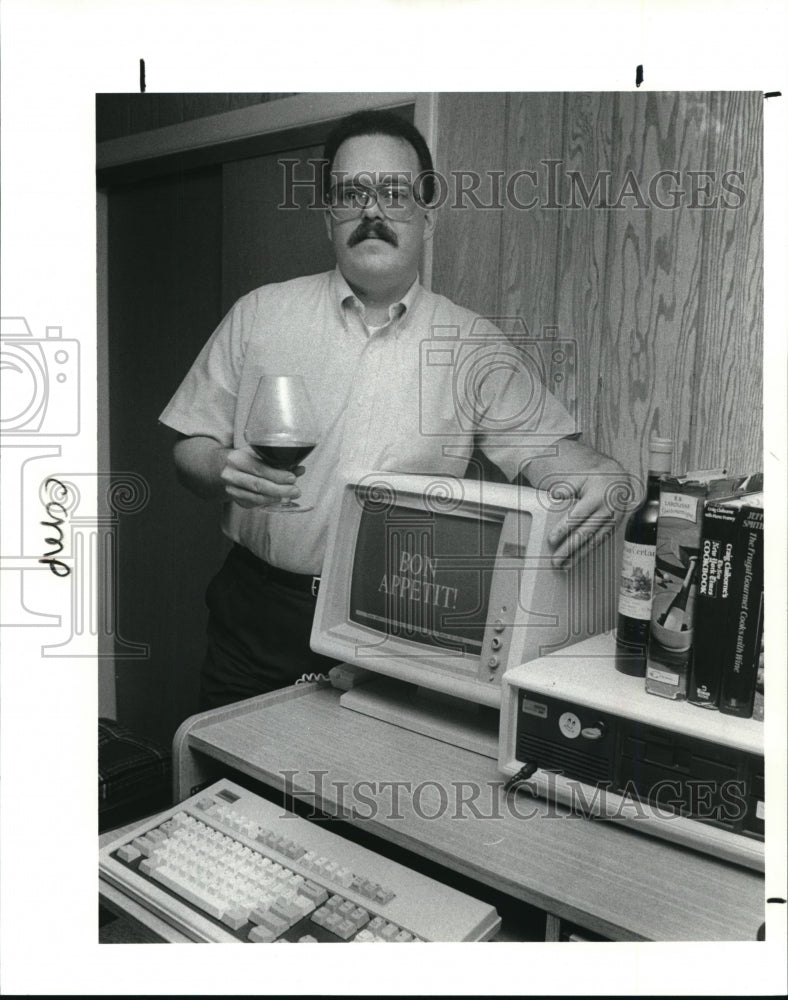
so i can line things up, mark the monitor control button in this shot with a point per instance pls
(493, 663)
(498, 625)
(496, 643)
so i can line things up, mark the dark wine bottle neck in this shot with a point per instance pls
(652, 485)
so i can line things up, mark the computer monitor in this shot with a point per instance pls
(442, 584)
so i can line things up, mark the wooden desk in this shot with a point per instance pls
(452, 810)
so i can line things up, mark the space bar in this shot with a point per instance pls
(167, 878)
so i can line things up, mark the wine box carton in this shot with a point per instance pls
(681, 504)
(743, 647)
(719, 592)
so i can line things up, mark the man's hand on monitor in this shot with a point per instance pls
(590, 485)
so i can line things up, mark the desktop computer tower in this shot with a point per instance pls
(593, 740)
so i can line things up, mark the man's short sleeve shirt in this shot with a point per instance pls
(414, 396)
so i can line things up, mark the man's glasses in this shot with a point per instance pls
(348, 201)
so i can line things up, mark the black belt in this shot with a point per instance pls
(304, 582)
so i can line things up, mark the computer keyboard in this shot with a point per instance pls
(228, 865)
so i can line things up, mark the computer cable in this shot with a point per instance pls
(526, 771)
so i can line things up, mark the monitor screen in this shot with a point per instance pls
(424, 576)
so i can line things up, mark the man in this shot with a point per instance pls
(356, 335)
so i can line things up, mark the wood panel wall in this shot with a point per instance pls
(664, 303)
(467, 243)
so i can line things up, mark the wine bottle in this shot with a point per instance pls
(636, 583)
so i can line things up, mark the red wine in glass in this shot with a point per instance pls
(282, 456)
(282, 429)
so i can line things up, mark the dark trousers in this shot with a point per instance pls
(258, 631)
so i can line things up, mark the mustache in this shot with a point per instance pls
(376, 228)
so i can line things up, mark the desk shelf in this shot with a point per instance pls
(609, 880)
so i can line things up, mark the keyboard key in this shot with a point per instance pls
(236, 917)
(345, 929)
(389, 931)
(344, 877)
(267, 919)
(368, 888)
(315, 892)
(257, 913)
(264, 900)
(143, 845)
(261, 935)
(128, 853)
(332, 922)
(307, 939)
(304, 905)
(403, 936)
(359, 916)
(286, 911)
(149, 865)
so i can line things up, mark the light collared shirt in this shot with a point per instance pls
(411, 396)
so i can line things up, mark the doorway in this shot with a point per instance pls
(184, 241)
